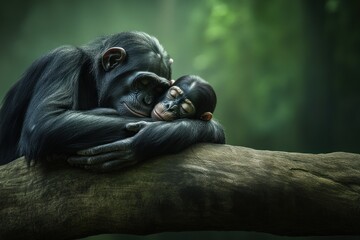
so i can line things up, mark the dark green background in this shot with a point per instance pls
(286, 73)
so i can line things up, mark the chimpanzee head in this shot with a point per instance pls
(133, 71)
(189, 97)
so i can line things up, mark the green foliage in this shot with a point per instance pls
(247, 53)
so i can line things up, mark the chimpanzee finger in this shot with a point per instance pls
(111, 166)
(117, 164)
(137, 126)
(101, 158)
(121, 145)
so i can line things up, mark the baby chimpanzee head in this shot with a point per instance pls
(189, 97)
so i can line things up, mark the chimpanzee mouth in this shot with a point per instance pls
(156, 116)
(136, 113)
(161, 116)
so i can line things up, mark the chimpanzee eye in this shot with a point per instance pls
(145, 81)
(186, 108)
(141, 84)
(173, 94)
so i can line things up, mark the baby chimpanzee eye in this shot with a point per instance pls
(186, 107)
(173, 93)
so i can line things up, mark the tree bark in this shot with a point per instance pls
(207, 187)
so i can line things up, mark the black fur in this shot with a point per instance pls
(66, 102)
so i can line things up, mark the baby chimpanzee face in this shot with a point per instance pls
(175, 104)
(189, 97)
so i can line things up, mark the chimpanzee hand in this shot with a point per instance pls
(152, 139)
(111, 156)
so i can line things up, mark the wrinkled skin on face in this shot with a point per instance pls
(138, 95)
(175, 104)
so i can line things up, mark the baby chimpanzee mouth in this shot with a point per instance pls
(155, 115)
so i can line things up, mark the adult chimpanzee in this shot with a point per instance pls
(89, 98)
(189, 97)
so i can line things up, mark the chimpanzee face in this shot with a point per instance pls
(135, 75)
(175, 104)
(138, 94)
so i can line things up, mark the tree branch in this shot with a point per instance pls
(207, 187)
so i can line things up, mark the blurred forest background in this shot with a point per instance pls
(286, 73)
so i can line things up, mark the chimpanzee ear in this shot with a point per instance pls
(113, 57)
(207, 116)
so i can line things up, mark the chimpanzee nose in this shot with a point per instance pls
(171, 107)
(148, 99)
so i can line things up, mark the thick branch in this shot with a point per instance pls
(207, 187)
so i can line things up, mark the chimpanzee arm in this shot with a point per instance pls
(67, 131)
(169, 137)
(153, 139)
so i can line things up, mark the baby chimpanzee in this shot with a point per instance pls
(189, 97)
